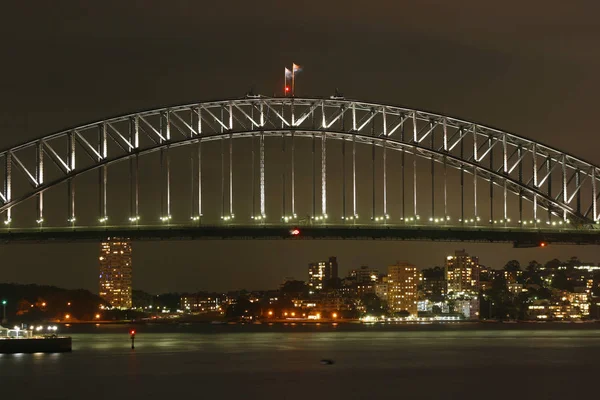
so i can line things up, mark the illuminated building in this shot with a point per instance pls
(462, 273)
(469, 308)
(115, 272)
(403, 280)
(512, 276)
(580, 302)
(364, 274)
(321, 272)
(515, 288)
(539, 309)
(197, 303)
(381, 290)
(365, 288)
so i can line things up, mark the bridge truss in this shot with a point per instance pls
(553, 190)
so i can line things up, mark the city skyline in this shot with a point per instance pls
(189, 274)
(503, 81)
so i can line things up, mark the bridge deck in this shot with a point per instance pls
(518, 236)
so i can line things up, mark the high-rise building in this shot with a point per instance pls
(115, 272)
(433, 285)
(319, 273)
(364, 274)
(403, 280)
(462, 273)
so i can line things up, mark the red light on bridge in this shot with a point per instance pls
(295, 232)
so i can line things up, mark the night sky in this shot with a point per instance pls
(531, 68)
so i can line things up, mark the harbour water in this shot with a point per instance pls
(477, 361)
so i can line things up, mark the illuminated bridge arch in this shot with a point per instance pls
(551, 189)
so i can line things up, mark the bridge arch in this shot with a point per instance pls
(510, 162)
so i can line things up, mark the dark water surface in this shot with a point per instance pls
(283, 362)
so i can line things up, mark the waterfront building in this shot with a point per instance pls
(580, 302)
(469, 308)
(462, 273)
(319, 273)
(199, 303)
(115, 272)
(403, 280)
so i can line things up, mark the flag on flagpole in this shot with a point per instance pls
(295, 68)
(287, 77)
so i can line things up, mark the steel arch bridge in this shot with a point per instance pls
(428, 176)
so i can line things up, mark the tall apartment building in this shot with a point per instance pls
(319, 273)
(403, 280)
(115, 272)
(433, 285)
(462, 273)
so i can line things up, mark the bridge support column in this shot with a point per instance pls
(283, 183)
(519, 153)
(262, 176)
(231, 214)
(293, 177)
(462, 179)
(354, 204)
(594, 197)
(134, 170)
(314, 184)
(432, 143)
(535, 184)
(253, 177)
(222, 179)
(70, 182)
(344, 215)
(445, 190)
(102, 173)
(165, 167)
(475, 195)
(373, 181)
(198, 213)
(324, 175)
(491, 180)
(39, 172)
(385, 212)
(8, 185)
(549, 192)
(505, 170)
(564, 185)
(403, 176)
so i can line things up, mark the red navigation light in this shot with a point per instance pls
(295, 232)
(132, 333)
